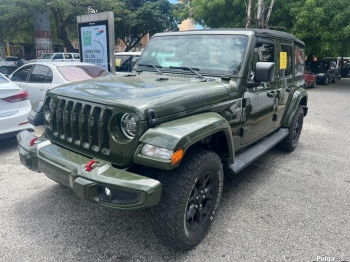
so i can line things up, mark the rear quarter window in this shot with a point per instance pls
(3, 79)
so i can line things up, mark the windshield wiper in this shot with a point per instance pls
(156, 67)
(188, 68)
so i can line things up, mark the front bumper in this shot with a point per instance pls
(127, 190)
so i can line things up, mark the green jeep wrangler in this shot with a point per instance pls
(197, 103)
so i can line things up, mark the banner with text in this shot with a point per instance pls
(94, 45)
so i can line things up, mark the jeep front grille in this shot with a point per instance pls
(83, 125)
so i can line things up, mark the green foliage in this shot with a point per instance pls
(322, 24)
(142, 17)
(133, 18)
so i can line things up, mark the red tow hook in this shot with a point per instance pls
(88, 166)
(32, 141)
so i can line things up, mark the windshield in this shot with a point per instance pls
(47, 56)
(80, 73)
(319, 65)
(347, 66)
(208, 54)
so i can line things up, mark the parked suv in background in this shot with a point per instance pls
(325, 71)
(125, 61)
(9, 65)
(58, 57)
(336, 62)
(198, 103)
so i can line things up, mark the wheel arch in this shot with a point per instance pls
(185, 133)
(300, 98)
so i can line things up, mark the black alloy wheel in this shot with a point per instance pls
(200, 201)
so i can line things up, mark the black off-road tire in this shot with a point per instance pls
(290, 142)
(175, 218)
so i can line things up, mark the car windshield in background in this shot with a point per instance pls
(3, 79)
(47, 56)
(124, 63)
(209, 54)
(347, 66)
(80, 73)
(319, 65)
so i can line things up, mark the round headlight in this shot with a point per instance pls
(128, 125)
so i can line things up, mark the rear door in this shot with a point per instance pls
(20, 76)
(285, 80)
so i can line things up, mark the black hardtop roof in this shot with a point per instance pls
(258, 32)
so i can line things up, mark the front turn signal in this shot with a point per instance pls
(177, 156)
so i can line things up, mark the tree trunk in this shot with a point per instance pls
(249, 11)
(61, 29)
(269, 13)
(259, 13)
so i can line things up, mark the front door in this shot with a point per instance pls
(258, 112)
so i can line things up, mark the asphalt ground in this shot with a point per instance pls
(284, 207)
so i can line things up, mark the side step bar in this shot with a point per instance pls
(250, 155)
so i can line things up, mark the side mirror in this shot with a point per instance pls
(264, 72)
(36, 115)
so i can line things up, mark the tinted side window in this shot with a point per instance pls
(49, 77)
(39, 74)
(58, 56)
(21, 75)
(263, 52)
(286, 56)
(76, 55)
(68, 56)
(299, 53)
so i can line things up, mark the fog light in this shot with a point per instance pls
(108, 192)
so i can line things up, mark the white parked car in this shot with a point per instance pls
(36, 78)
(55, 57)
(14, 109)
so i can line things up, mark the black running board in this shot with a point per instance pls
(250, 155)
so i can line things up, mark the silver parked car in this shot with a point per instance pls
(36, 78)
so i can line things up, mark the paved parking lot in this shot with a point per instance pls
(284, 207)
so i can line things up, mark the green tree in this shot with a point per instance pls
(143, 17)
(17, 17)
(322, 24)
